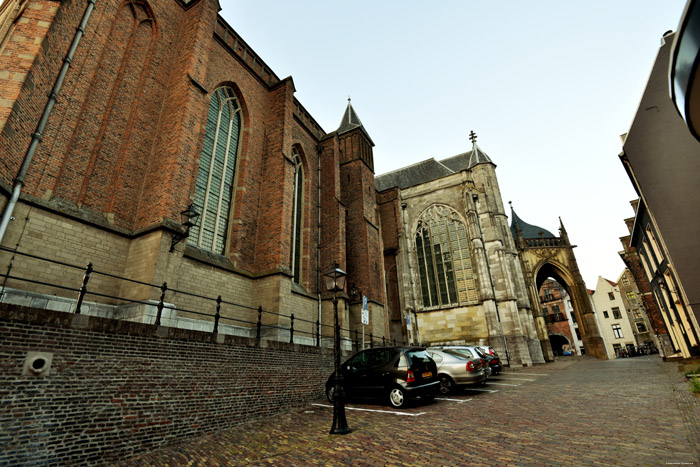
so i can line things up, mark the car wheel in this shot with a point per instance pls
(397, 397)
(446, 384)
(330, 390)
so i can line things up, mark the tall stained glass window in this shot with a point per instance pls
(212, 197)
(444, 260)
(297, 216)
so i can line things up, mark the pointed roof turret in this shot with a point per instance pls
(528, 230)
(477, 156)
(351, 121)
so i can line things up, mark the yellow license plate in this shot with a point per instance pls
(427, 374)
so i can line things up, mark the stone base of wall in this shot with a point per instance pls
(104, 389)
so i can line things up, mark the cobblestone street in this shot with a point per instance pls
(580, 411)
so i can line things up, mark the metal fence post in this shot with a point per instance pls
(83, 288)
(217, 315)
(257, 335)
(291, 330)
(163, 288)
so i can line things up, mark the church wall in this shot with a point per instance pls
(454, 326)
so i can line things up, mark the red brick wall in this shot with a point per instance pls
(119, 388)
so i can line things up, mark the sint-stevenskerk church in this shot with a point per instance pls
(164, 106)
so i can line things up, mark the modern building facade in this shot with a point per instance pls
(662, 158)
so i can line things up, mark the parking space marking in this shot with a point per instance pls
(514, 379)
(374, 410)
(453, 400)
(482, 390)
(502, 384)
(532, 374)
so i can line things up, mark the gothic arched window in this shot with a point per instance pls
(444, 261)
(213, 192)
(297, 215)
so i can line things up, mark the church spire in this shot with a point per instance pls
(477, 156)
(351, 121)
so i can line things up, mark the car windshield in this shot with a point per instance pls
(418, 356)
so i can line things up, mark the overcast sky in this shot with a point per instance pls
(548, 86)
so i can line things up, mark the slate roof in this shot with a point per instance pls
(431, 169)
(528, 230)
(412, 175)
(351, 121)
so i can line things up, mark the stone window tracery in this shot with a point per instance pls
(214, 189)
(444, 259)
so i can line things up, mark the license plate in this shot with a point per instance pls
(427, 374)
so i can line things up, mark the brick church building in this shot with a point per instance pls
(165, 107)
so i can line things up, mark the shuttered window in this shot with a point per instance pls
(217, 167)
(444, 260)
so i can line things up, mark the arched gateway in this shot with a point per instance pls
(544, 255)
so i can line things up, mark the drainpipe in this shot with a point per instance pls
(319, 151)
(36, 137)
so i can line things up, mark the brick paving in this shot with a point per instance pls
(577, 411)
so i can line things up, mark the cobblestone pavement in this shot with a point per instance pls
(578, 411)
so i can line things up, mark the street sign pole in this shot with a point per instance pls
(365, 318)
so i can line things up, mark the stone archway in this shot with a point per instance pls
(544, 255)
(558, 341)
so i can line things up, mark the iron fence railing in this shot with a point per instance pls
(212, 312)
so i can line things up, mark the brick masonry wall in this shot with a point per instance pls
(116, 388)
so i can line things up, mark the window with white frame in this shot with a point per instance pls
(217, 166)
(444, 259)
(617, 331)
(297, 215)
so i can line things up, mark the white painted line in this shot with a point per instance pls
(513, 379)
(483, 390)
(452, 400)
(501, 384)
(373, 410)
(531, 374)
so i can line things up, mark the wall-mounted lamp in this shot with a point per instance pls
(188, 218)
(354, 292)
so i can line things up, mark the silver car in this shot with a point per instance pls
(457, 369)
(471, 351)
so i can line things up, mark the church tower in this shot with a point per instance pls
(364, 258)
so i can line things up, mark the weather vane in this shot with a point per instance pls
(472, 137)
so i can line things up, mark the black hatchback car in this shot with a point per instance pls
(395, 374)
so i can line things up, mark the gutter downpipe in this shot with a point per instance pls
(37, 135)
(319, 151)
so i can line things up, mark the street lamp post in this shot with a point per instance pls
(335, 282)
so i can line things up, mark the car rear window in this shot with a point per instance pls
(460, 352)
(418, 356)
